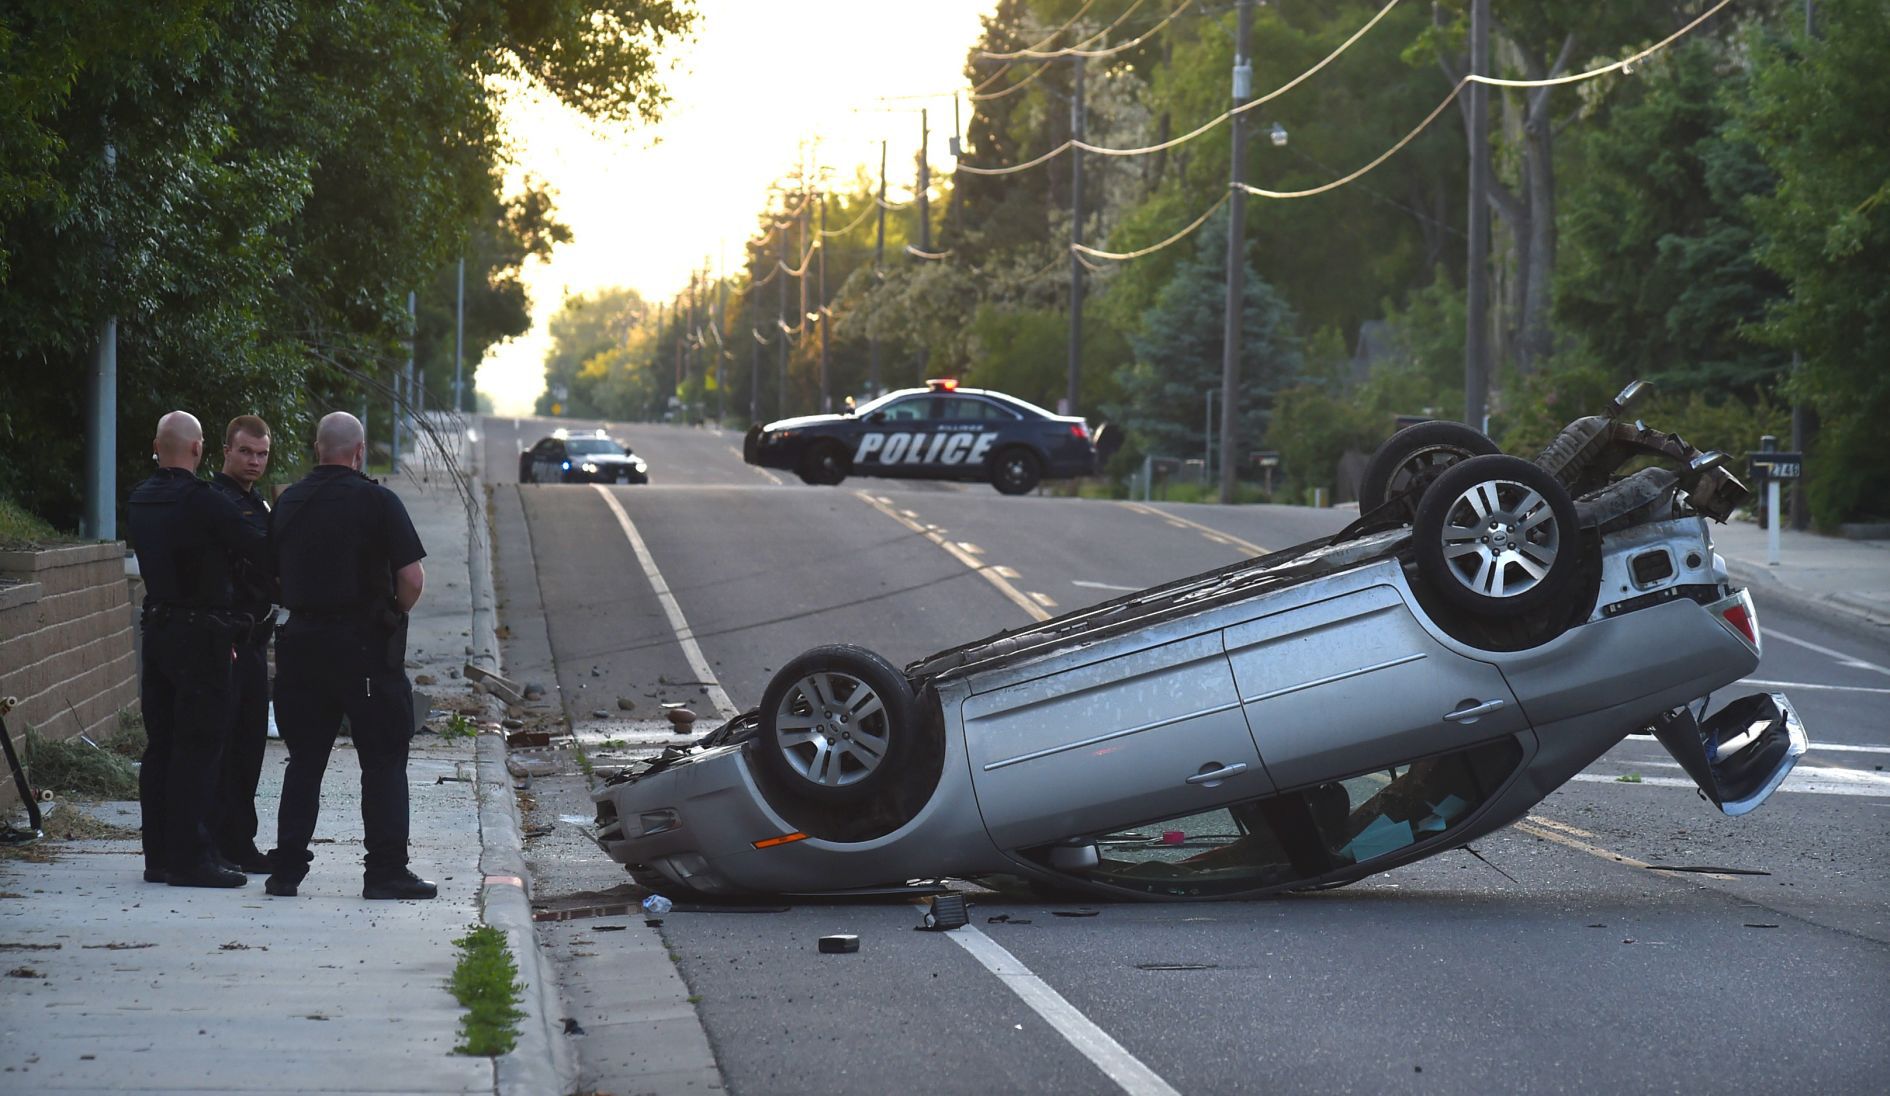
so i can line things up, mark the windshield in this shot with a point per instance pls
(878, 402)
(584, 447)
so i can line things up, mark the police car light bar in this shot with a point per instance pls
(942, 384)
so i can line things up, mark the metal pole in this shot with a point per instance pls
(780, 324)
(101, 406)
(1801, 412)
(722, 355)
(1236, 255)
(459, 338)
(754, 380)
(1207, 444)
(1476, 342)
(879, 260)
(1074, 379)
(925, 213)
(820, 304)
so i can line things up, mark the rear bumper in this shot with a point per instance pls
(1742, 753)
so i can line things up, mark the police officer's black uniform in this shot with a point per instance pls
(233, 813)
(337, 538)
(188, 537)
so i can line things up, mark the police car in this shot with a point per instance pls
(593, 457)
(940, 431)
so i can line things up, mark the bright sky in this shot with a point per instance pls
(648, 205)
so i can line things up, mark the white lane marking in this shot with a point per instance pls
(1104, 585)
(724, 707)
(1811, 779)
(1815, 745)
(772, 478)
(1183, 523)
(993, 575)
(970, 548)
(1843, 659)
(1806, 685)
(1044, 600)
(1092, 1042)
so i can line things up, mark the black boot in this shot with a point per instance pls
(207, 875)
(281, 886)
(249, 860)
(404, 885)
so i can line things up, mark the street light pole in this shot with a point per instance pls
(1476, 342)
(459, 337)
(1236, 254)
(1075, 369)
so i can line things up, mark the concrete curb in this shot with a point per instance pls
(541, 1062)
(1769, 587)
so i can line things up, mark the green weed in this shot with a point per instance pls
(1628, 778)
(486, 984)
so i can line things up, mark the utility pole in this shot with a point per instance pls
(780, 324)
(721, 350)
(1236, 255)
(879, 259)
(1074, 380)
(1476, 342)
(754, 378)
(459, 337)
(820, 306)
(800, 249)
(1801, 412)
(403, 384)
(101, 406)
(925, 209)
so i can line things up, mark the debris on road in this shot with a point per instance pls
(626, 704)
(681, 717)
(945, 913)
(839, 945)
(1075, 913)
(656, 905)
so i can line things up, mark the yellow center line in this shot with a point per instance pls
(1211, 533)
(1563, 834)
(992, 575)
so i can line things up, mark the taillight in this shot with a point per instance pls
(1079, 431)
(1742, 618)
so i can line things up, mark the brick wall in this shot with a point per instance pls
(66, 642)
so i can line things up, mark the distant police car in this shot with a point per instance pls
(594, 457)
(940, 431)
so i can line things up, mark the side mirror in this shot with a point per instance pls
(1625, 400)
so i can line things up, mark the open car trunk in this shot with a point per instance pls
(1741, 754)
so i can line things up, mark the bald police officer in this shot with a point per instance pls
(348, 561)
(233, 821)
(189, 540)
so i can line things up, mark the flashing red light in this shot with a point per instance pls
(943, 384)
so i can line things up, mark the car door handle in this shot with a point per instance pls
(1215, 776)
(1469, 715)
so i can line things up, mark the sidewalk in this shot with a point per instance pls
(1827, 577)
(117, 985)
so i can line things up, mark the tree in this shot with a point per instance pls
(1178, 353)
(1815, 114)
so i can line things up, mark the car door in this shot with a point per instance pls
(1152, 733)
(895, 438)
(1354, 683)
(548, 461)
(969, 429)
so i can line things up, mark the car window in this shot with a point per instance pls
(546, 448)
(588, 446)
(915, 409)
(1300, 834)
(971, 408)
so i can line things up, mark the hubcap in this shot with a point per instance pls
(1500, 538)
(832, 729)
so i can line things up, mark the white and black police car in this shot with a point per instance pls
(593, 457)
(940, 431)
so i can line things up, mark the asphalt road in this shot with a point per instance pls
(1561, 957)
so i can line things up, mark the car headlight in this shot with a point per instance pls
(589, 467)
(639, 466)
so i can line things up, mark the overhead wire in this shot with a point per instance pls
(1626, 64)
(1106, 51)
(1118, 256)
(928, 255)
(1197, 131)
(1046, 39)
(871, 208)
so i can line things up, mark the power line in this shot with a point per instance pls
(1107, 51)
(1152, 248)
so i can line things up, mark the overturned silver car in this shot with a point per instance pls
(1486, 629)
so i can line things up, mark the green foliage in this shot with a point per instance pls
(459, 727)
(1815, 114)
(485, 982)
(22, 529)
(1179, 351)
(76, 766)
(1312, 429)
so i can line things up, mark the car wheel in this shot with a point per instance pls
(825, 464)
(1412, 459)
(1497, 536)
(836, 724)
(1015, 471)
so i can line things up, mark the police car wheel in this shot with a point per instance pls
(825, 464)
(1015, 471)
(836, 724)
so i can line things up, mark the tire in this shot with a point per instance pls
(1496, 536)
(1016, 471)
(836, 724)
(1413, 458)
(524, 467)
(825, 464)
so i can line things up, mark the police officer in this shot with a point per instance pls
(233, 811)
(348, 561)
(189, 539)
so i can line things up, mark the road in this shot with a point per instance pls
(1561, 955)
